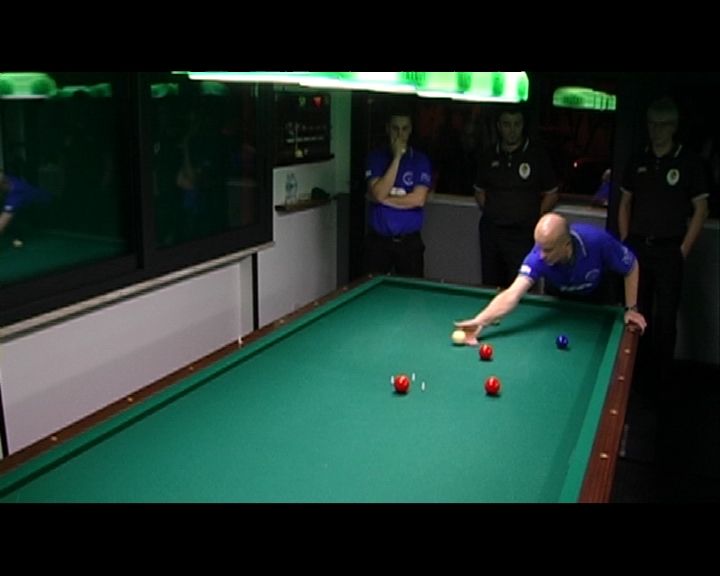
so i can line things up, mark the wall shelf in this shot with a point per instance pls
(305, 160)
(302, 205)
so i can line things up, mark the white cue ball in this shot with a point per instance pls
(458, 337)
(17, 243)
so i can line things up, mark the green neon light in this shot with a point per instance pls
(24, 85)
(373, 81)
(493, 86)
(437, 83)
(471, 86)
(213, 89)
(103, 90)
(163, 90)
(582, 98)
(259, 77)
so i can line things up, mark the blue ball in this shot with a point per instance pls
(562, 342)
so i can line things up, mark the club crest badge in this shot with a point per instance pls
(524, 170)
(673, 176)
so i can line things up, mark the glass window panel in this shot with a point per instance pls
(65, 199)
(578, 127)
(205, 161)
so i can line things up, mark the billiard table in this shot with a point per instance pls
(305, 411)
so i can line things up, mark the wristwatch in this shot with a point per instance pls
(634, 308)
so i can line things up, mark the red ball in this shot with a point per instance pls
(492, 386)
(401, 383)
(486, 352)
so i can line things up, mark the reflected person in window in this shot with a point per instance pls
(16, 194)
(602, 194)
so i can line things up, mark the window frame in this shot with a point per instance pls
(47, 293)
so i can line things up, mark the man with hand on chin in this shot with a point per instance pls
(398, 182)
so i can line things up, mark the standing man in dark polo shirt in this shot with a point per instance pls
(663, 207)
(398, 181)
(514, 187)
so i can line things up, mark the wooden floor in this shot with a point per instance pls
(691, 473)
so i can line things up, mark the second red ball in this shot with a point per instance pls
(493, 386)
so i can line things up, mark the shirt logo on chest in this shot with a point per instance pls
(524, 170)
(673, 176)
(627, 257)
(592, 276)
(407, 178)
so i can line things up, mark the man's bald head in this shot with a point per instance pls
(551, 227)
(552, 235)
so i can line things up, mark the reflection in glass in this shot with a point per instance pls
(64, 203)
(204, 161)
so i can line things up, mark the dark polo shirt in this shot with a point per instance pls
(514, 183)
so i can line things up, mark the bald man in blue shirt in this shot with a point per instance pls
(574, 259)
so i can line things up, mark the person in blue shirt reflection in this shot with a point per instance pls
(15, 194)
(602, 194)
(572, 258)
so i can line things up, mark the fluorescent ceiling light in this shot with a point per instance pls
(260, 77)
(493, 87)
(394, 82)
(468, 86)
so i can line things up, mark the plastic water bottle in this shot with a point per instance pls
(291, 189)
